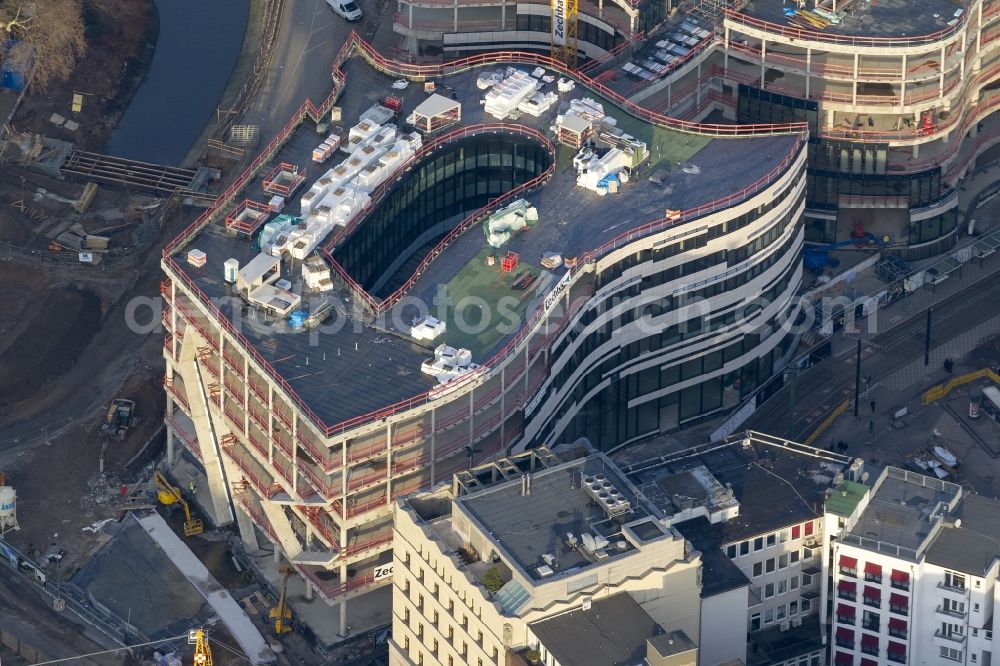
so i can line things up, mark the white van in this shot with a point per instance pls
(347, 8)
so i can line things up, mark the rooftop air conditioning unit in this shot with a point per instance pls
(785, 626)
(796, 621)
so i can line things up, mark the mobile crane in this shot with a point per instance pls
(281, 614)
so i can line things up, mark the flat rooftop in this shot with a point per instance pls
(975, 544)
(904, 509)
(612, 633)
(529, 525)
(350, 367)
(774, 486)
(882, 18)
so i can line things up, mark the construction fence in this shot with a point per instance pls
(941, 390)
(26, 651)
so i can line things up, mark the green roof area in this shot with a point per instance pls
(474, 327)
(845, 498)
(668, 148)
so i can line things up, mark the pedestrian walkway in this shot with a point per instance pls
(956, 347)
(237, 623)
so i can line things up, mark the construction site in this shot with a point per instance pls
(234, 359)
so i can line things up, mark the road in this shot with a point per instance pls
(309, 37)
(826, 384)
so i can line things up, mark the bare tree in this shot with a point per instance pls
(47, 36)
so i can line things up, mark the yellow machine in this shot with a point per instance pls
(168, 495)
(563, 33)
(281, 614)
(202, 653)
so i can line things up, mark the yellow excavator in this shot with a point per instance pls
(281, 614)
(169, 495)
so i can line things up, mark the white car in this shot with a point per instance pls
(347, 8)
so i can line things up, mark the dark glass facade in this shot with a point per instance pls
(585, 31)
(461, 178)
(846, 168)
(606, 418)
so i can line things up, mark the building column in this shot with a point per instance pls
(170, 412)
(388, 460)
(309, 591)
(247, 533)
(503, 14)
(941, 74)
(455, 17)
(902, 85)
(697, 88)
(725, 51)
(503, 408)
(763, 60)
(270, 423)
(277, 553)
(343, 611)
(433, 445)
(809, 53)
(854, 83)
(916, 150)
(170, 441)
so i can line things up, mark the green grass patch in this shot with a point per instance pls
(479, 287)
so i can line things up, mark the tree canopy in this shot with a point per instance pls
(44, 37)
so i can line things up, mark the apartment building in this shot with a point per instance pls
(914, 566)
(582, 570)
(753, 506)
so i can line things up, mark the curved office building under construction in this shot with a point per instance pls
(521, 258)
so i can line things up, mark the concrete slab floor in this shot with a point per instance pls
(136, 581)
(363, 613)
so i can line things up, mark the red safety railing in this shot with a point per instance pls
(413, 71)
(355, 44)
(284, 179)
(362, 545)
(175, 394)
(180, 433)
(854, 41)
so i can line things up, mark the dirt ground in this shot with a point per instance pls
(121, 35)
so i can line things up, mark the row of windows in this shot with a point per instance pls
(742, 548)
(667, 337)
(614, 271)
(677, 332)
(772, 564)
(443, 625)
(779, 614)
(586, 31)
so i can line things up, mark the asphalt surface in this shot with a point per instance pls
(309, 37)
(822, 387)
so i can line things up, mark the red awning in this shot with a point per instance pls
(897, 648)
(896, 623)
(873, 569)
(843, 659)
(900, 577)
(845, 634)
(872, 592)
(898, 600)
(848, 562)
(868, 639)
(847, 586)
(868, 662)
(845, 610)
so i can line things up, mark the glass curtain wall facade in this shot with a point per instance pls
(460, 179)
